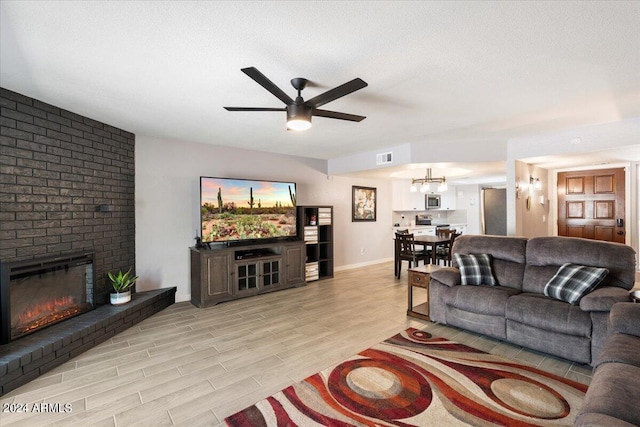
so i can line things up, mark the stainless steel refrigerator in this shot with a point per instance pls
(494, 211)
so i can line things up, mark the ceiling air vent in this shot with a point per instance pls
(384, 158)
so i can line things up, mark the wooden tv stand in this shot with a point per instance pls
(227, 273)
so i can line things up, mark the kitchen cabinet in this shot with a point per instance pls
(403, 199)
(448, 199)
(460, 228)
(425, 231)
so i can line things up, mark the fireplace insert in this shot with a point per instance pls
(41, 292)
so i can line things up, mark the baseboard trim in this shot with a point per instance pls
(362, 264)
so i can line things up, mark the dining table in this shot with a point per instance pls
(432, 241)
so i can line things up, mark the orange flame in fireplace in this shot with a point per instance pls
(47, 312)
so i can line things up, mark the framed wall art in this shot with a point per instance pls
(363, 204)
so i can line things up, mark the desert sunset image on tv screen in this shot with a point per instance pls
(238, 209)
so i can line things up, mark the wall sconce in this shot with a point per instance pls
(534, 184)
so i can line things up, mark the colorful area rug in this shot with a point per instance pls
(415, 379)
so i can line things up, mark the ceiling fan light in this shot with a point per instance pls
(299, 111)
(298, 124)
(298, 117)
(413, 188)
(442, 187)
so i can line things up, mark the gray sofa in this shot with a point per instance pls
(612, 397)
(516, 310)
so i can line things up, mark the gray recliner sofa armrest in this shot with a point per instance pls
(603, 299)
(449, 276)
(625, 319)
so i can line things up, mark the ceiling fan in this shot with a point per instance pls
(299, 112)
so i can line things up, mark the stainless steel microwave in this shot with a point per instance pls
(432, 201)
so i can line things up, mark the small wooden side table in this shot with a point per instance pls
(419, 277)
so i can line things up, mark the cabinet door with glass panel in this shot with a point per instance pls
(257, 275)
(270, 273)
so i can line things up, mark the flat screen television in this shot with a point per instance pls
(242, 209)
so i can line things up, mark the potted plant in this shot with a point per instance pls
(121, 283)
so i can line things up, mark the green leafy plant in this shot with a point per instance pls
(122, 282)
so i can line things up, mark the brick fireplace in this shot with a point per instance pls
(66, 186)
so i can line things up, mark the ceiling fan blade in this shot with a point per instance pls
(263, 81)
(253, 109)
(336, 92)
(337, 115)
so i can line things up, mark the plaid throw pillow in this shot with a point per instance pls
(475, 269)
(571, 282)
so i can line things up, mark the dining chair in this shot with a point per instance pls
(396, 251)
(444, 252)
(444, 232)
(407, 252)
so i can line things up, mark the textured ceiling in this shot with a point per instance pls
(437, 71)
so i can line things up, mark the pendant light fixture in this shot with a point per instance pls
(426, 181)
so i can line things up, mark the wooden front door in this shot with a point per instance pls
(591, 204)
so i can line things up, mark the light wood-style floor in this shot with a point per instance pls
(192, 367)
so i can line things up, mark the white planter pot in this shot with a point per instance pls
(120, 298)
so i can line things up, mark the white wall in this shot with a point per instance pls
(167, 205)
(469, 201)
(535, 220)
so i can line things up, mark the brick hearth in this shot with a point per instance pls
(27, 358)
